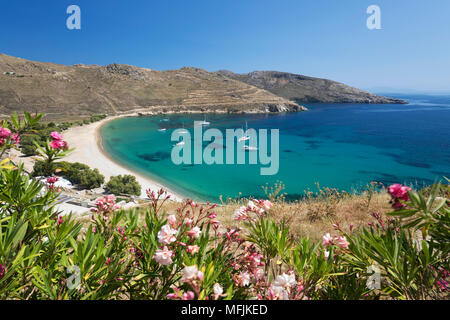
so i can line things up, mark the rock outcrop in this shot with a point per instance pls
(303, 89)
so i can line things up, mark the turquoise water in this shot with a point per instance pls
(341, 146)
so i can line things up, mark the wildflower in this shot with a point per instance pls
(326, 254)
(166, 235)
(56, 135)
(172, 220)
(212, 215)
(188, 221)
(259, 274)
(52, 180)
(327, 240)
(172, 296)
(243, 279)
(5, 133)
(106, 205)
(15, 138)
(192, 249)
(241, 214)
(2, 271)
(164, 256)
(194, 233)
(188, 295)
(399, 192)
(58, 144)
(278, 293)
(218, 291)
(342, 242)
(215, 224)
(285, 280)
(267, 204)
(191, 273)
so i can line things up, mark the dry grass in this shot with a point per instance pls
(311, 217)
(315, 217)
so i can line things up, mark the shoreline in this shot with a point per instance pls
(89, 150)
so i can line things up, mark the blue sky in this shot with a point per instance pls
(323, 38)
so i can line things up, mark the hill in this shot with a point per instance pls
(74, 91)
(303, 89)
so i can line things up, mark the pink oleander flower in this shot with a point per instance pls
(167, 235)
(212, 215)
(267, 204)
(191, 273)
(106, 205)
(188, 296)
(398, 191)
(15, 138)
(218, 291)
(192, 249)
(285, 281)
(172, 220)
(241, 214)
(243, 279)
(163, 256)
(52, 180)
(278, 293)
(188, 221)
(58, 144)
(2, 271)
(232, 234)
(342, 242)
(56, 135)
(194, 233)
(172, 296)
(327, 240)
(5, 133)
(259, 274)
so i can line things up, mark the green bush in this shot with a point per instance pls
(126, 184)
(43, 169)
(77, 173)
(81, 174)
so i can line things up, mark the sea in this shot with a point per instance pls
(340, 146)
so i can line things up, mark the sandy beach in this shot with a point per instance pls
(88, 150)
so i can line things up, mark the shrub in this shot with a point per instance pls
(43, 169)
(77, 173)
(126, 184)
(82, 175)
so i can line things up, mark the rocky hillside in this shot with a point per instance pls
(73, 91)
(303, 89)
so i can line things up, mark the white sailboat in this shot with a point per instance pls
(162, 129)
(250, 148)
(204, 122)
(244, 138)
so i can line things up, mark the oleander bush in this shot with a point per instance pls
(119, 254)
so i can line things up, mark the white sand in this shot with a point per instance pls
(88, 150)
